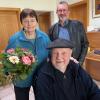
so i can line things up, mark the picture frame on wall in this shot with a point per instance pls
(96, 8)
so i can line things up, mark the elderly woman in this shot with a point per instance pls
(31, 38)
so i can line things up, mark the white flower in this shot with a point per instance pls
(14, 59)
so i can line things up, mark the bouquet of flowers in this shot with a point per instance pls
(16, 64)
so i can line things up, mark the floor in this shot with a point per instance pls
(7, 92)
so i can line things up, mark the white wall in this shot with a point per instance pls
(93, 22)
(71, 1)
(40, 5)
(48, 5)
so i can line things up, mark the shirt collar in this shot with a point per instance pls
(72, 68)
(65, 23)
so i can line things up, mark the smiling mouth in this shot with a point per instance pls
(59, 61)
(28, 27)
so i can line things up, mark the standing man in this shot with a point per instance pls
(70, 30)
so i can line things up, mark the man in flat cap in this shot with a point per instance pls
(62, 79)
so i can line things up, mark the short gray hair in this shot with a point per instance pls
(63, 2)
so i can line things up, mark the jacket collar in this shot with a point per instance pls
(68, 25)
(65, 23)
(48, 69)
(22, 35)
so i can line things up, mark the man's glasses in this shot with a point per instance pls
(62, 10)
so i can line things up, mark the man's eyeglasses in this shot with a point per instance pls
(62, 10)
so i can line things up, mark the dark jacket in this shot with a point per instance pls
(75, 84)
(77, 35)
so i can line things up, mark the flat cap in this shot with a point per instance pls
(60, 43)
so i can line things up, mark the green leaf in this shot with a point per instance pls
(23, 76)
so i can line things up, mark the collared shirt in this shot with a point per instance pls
(63, 32)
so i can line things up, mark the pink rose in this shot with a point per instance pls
(26, 60)
(10, 51)
(32, 58)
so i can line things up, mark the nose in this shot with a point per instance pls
(59, 55)
(62, 12)
(29, 22)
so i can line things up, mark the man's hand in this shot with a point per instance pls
(73, 59)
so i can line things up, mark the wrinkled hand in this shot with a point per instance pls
(73, 59)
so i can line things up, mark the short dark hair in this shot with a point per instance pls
(28, 12)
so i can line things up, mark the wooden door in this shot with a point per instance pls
(78, 11)
(9, 24)
(44, 21)
(94, 40)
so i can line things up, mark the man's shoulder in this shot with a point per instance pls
(74, 67)
(75, 21)
(54, 25)
(78, 70)
(46, 69)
